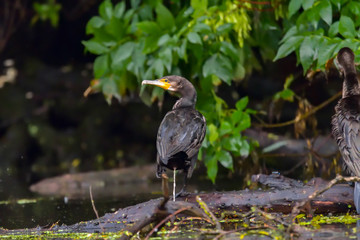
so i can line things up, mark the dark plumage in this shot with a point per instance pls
(182, 130)
(346, 121)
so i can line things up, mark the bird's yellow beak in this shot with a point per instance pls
(162, 82)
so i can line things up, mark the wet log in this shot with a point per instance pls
(282, 195)
(107, 183)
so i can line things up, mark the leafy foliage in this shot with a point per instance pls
(317, 30)
(47, 11)
(205, 42)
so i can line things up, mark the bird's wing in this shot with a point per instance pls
(351, 134)
(346, 130)
(180, 131)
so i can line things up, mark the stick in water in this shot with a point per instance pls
(174, 186)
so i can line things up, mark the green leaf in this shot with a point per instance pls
(106, 9)
(213, 133)
(150, 44)
(165, 19)
(94, 23)
(224, 29)
(194, 38)
(347, 27)
(229, 50)
(286, 94)
(354, 7)
(115, 28)
(151, 28)
(202, 28)
(225, 128)
(306, 4)
(225, 158)
(121, 53)
(334, 29)
(231, 143)
(289, 33)
(119, 9)
(242, 120)
(94, 47)
(101, 65)
(326, 51)
(163, 40)
(220, 66)
(109, 88)
(326, 11)
(212, 167)
(288, 47)
(166, 56)
(289, 79)
(158, 66)
(294, 6)
(245, 148)
(242, 103)
(307, 52)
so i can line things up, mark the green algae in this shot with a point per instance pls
(320, 219)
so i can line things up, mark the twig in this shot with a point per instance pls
(165, 220)
(94, 208)
(307, 114)
(187, 219)
(316, 193)
(269, 216)
(206, 209)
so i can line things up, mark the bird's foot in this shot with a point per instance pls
(182, 193)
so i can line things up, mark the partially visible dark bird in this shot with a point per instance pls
(182, 130)
(346, 121)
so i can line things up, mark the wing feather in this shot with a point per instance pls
(346, 129)
(182, 130)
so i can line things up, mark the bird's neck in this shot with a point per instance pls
(188, 99)
(351, 84)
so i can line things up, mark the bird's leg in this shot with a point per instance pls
(183, 189)
(174, 186)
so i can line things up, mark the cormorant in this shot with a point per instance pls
(346, 121)
(182, 130)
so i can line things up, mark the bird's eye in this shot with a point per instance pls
(166, 80)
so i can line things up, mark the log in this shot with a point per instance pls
(283, 194)
(107, 183)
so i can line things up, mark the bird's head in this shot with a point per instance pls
(345, 60)
(171, 83)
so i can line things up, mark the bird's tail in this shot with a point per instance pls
(357, 196)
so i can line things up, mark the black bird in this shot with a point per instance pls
(182, 130)
(346, 121)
